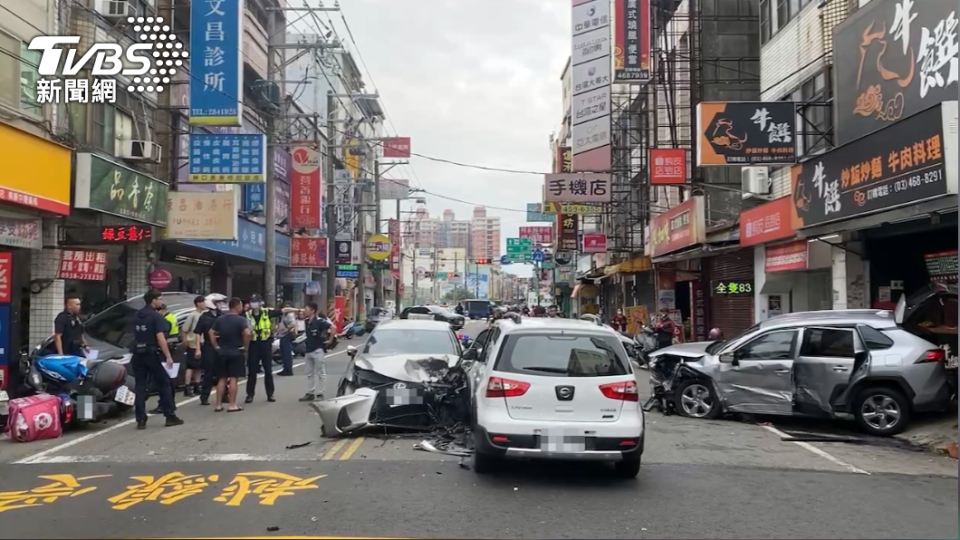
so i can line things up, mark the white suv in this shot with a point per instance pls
(554, 388)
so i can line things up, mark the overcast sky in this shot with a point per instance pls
(474, 81)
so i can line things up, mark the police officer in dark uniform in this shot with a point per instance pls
(68, 330)
(216, 305)
(150, 350)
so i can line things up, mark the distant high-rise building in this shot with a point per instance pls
(421, 230)
(485, 235)
(454, 233)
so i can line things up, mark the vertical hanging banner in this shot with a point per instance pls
(216, 82)
(590, 80)
(393, 228)
(306, 189)
(631, 41)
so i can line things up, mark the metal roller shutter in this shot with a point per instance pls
(644, 291)
(732, 314)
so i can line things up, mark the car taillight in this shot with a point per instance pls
(934, 355)
(622, 391)
(498, 387)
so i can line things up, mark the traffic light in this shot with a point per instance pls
(483, 261)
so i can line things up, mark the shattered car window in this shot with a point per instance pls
(562, 356)
(388, 342)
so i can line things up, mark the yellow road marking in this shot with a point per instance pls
(348, 453)
(332, 452)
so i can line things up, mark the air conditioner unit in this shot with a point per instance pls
(141, 151)
(117, 9)
(755, 182)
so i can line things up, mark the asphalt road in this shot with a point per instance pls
(233, 475)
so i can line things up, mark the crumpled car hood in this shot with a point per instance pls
(686, 350)
(415, 368)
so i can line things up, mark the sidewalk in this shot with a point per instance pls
(939, 434)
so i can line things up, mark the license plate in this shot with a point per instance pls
(562, 443)
(125, 396)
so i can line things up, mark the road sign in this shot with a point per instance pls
(562, 257)
(538, 256)
(505, 259)
(519, 246)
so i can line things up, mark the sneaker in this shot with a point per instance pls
(308, 397)
(271, 399)
(204, 401)
(173, 421)
(142, 425)
(285, 374)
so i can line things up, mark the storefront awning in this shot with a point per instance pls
(775, 284)
(637, 264)
(703, 250)
(914, 211)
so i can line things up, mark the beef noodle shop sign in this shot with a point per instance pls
(897, 166)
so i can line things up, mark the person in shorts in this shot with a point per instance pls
(191, 356)
(231, 337)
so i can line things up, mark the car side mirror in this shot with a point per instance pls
(730, 358)
(351, 351)
(471, 354)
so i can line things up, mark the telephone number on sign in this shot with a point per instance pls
(918, 180)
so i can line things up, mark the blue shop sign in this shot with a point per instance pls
(216, 83)
(228, 158)
(4, 335)
(249, 245)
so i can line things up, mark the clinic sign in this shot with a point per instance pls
(216, 83)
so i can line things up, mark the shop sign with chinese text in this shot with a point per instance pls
(21, 233)
(746, 133)
(201, 216)
(564, 160)
(6, 277)
(594, 243)
(893, 59)
(343, 252)
(767, 222)
(308, 251)
(680, 227)
(698, 317)
(631, 41)
(590, 80)
(393, 231)
(216, 84)
(536, 214)
(786, 257)
(396, 147)
(578, 188)
(306, 188)
(896, 166)
(540, 234)
(732, 287)
(118, 190)
(348, 271)
(668, 166)
(569, 232)
(83, 264)
(942, 266)
(108, 234)
(228, 158)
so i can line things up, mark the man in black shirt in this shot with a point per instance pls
(231, 338)
(319, 339)
(215, 305)
(149, 345)
(68, 330)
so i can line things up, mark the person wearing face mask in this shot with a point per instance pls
(619, 321)
(215, 305)
(260, 354)
(150, 351)
(68, 330)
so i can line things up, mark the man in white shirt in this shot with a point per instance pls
(287, 331)
(193, 341)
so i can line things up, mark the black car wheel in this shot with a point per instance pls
(881, 411)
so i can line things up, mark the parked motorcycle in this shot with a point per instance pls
(645, 342)
(351, 328)
(90, 390)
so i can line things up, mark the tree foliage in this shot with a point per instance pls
(457, 295)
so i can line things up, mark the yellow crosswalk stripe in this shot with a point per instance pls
(332, 452)
(354, 446)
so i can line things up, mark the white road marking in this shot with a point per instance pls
(39, 456)
(807, 446)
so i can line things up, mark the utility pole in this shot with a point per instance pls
(362, 237)
(435, 289)
(327, 292)
(476, 277)
(416, 278)
(377, 273)
(270, 206)
(399, 283)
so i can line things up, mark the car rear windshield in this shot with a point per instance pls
(408, 341)
(562, 356)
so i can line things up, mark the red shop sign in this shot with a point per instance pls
(681, 226)
(396, 147)
(83, 264)
(308, 252)
(540, 234)
(785, 257)
(306, 189)
(668, 166)
(594, 243)
(767, 222)
(6, 277)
